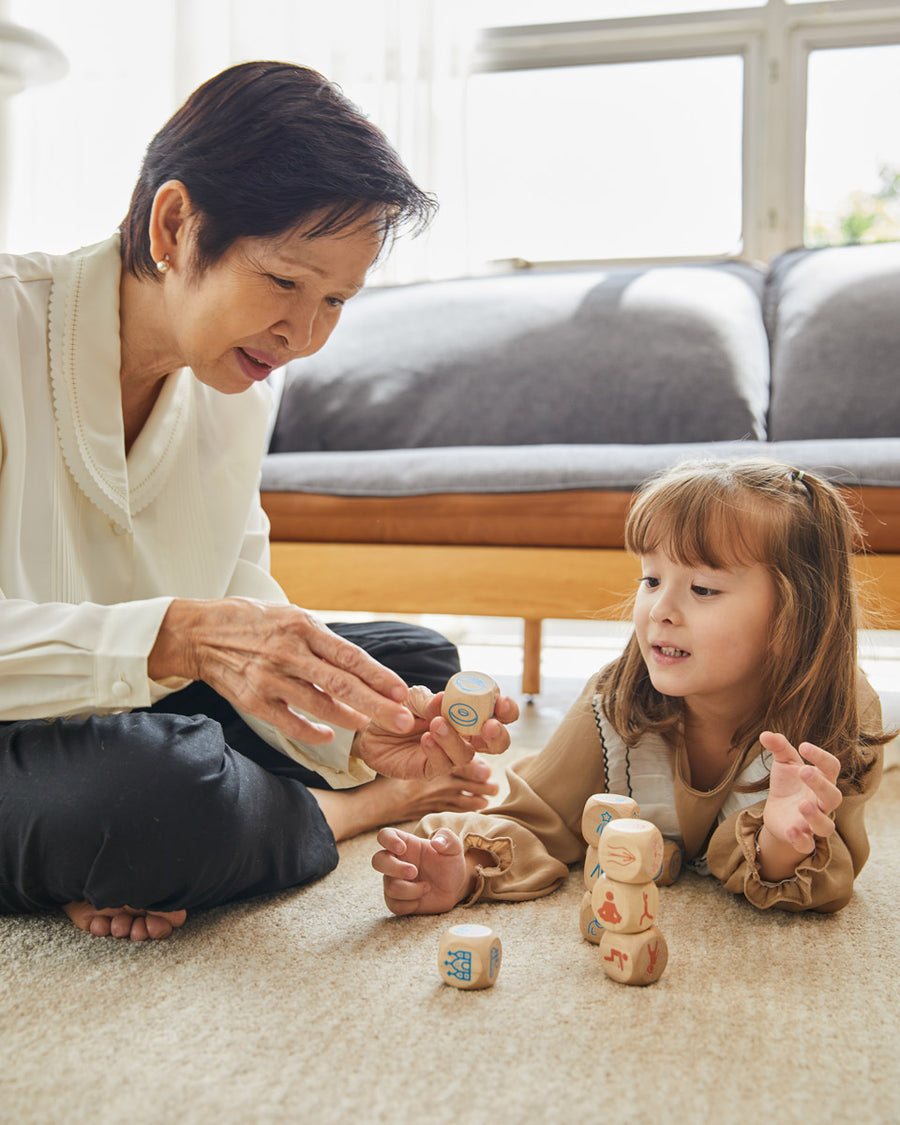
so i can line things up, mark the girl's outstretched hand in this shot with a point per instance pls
(421, 876)
(802, 793)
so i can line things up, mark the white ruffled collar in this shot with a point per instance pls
(84, 353)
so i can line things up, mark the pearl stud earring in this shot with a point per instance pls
(164, 265)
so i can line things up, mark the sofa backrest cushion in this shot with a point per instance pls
(665, 354)
(834, 319)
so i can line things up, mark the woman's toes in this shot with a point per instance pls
(466, 802)
(139, 928)
(124, 922)
(156, 928)
(160, 926)
(476, 770)
(99, 926)
(477, 778)
(120, 925)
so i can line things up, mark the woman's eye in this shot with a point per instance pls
(335, 302)
(282, 282)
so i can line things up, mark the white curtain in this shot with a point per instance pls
(77, 145)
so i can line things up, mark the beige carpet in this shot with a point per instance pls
(317, 1007)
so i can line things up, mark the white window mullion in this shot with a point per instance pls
(775, 115)
(756, 158)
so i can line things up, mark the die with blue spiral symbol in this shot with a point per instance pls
(469, 701)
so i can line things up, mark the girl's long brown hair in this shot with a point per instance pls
(726, 513)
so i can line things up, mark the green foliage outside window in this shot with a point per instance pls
(862, 217)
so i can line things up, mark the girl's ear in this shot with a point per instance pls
(169, 217)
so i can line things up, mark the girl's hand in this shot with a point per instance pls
(802, 794)
(434, 746)
(422, 876)
(273, 660)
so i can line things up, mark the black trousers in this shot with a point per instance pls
(180, 805)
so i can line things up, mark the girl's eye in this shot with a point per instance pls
(282, 282)
(704, 591)
(650, 583)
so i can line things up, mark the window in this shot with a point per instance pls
(550, 130)
(682, 130)
(593, 162)
(852, 148)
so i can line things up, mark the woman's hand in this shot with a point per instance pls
(802, 795)
(269, 660)
(422, 876)
(434, 746)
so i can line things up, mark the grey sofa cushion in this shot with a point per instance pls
(667, 354)
(834, 319)
(481, 469)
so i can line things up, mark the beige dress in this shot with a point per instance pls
(535, 834)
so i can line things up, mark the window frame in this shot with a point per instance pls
(774, 41)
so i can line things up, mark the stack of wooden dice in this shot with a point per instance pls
(626, 860)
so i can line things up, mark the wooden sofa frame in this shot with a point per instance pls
(527, 555)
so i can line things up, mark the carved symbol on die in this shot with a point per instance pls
(631, 851)
(625, 907)
(602, 808)
(469, 700)
(469, 956)
(634, 958)
(591, 929)
(462, 715)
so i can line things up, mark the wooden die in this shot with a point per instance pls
(625, 908)
(673, 858)
(634, 958)
(631, 851)
(469, 701)
(591, 930)
(600, 809)
(469, 956)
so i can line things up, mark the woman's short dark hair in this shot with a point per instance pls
(261, 148)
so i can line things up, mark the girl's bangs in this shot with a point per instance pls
(699, 530)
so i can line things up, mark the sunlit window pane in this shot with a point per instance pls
(853, 146)
(632, 160)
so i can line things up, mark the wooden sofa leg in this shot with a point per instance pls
(531, 661)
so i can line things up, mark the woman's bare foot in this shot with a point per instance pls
(390, 800)
(123, 922)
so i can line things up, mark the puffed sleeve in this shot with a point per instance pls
(535, 833)
(823, 880)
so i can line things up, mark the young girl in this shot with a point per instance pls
(745, 621)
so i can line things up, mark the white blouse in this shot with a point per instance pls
(94, 545)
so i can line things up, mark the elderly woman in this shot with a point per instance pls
(174, 734)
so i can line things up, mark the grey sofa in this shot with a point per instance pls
(471, 446)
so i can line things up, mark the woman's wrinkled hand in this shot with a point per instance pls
(275, 660)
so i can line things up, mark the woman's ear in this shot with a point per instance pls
(169, 217)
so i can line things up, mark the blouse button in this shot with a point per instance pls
(121, 689)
